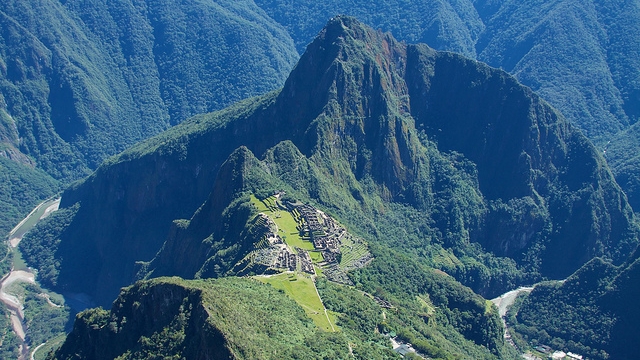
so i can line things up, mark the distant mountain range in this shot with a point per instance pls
(437, 160)
(453, 172)
(83, 80)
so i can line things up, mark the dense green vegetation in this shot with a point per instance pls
(535, 42)
(83, 80)
(593, 81)
(244, 319)
(493, 193)
(591, 313)
(235, 318)
(45, 315)
(7, 260)
(39, 246)
(402, 280)
(21, 189)
(444, 186)
(10, 342)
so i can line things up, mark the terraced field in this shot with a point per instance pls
(287, 225)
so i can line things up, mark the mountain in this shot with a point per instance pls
(243, 318)
(593, 81)
(170, 317)
(591, 313)
(437, 156)
(83, 80)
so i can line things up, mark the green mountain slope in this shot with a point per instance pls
(83, 80)
(580, 56)
(170, 317)
(438, 156)
(242, 318)
(592, 313)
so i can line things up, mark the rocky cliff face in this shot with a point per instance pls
(169, 315)
(373, 123)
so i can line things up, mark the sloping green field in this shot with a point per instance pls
(287, 225)
(302, 289)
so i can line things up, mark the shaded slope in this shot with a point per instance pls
(582, 57)
(386, 130)
(592, 313)
(83, 80)
(222, 319)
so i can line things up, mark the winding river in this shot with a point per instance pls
(11, 301)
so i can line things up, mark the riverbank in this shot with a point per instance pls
(503, 303)
(21, 273)
(40, 212)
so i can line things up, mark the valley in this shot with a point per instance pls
(378, 189)
(21, 274)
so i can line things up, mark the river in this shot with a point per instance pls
(503, 303)
(11, 301)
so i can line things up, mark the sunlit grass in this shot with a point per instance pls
(302, 289)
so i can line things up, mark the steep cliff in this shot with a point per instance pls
(223, 319)
(83, 80)
(440, 156)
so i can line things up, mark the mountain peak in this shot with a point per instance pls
(481, 158)
(343, 26)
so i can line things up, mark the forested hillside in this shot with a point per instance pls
(495, 192)
(459, 179)
(582, 57)
(83, 80)
(593, 312)
(242, 318)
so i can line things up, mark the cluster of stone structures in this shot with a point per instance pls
(306, 264)
(327, 236)
(286, 260)
(323, 230)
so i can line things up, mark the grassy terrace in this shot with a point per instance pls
(352, 250)
(302, 289)
(287, 225)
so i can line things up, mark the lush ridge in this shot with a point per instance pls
(244, 319)
(593, 312)
(593, 81)
(438, 161)
(83, 80)
(222, 319)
